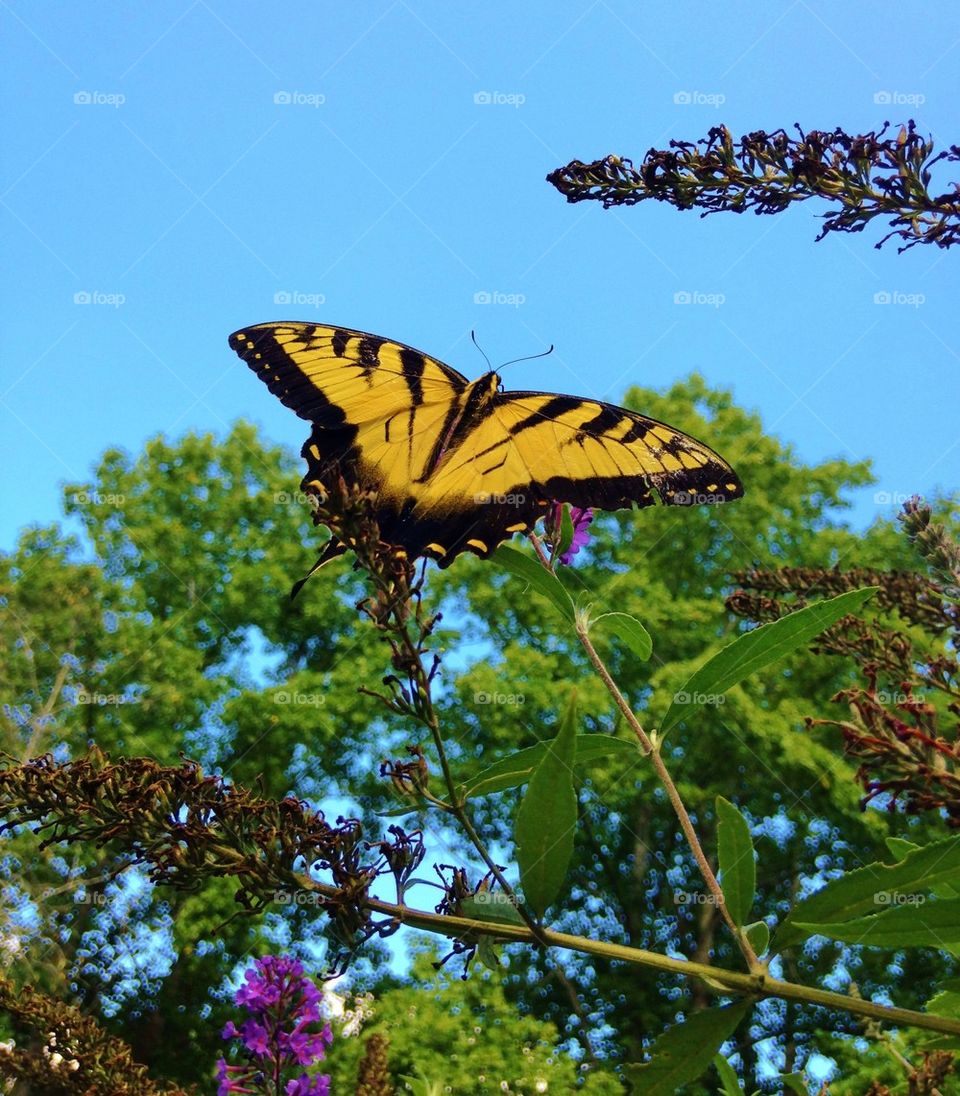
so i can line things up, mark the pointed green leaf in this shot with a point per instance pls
(912, 922)
(487, 953)
(537, 576)
(566, 530)
(512, 771)
(547, 818)
(728, 1077)
(754, 650)
(630, 631)
(795, 1083)
(868, 889)
(900, 847)
(683, 1052)
(738, 872)
(493, 906)
(758, 935)
(946, 1002)
(422, 1085)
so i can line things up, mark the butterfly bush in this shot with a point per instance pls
(280, 1035)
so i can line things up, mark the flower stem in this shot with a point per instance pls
(756, 983)
(652, 750)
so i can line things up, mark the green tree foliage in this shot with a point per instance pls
(165, 626)
(466, 1035)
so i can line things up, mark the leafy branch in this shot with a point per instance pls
(869, 175)
(135, 805)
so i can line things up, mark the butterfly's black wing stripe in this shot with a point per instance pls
(413, 363)
(609, 418)
(554, 406)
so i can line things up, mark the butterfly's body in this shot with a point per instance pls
(463, 466)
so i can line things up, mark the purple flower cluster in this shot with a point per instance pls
(581, 534)
(279, 1035)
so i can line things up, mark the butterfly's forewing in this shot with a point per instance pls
(377, 407)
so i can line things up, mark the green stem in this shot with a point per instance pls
(428, 716)
(651, 749)
(757, 983)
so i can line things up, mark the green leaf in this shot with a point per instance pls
(759, 936)
(738, 872)
(900, 847)
(683, 1052)
(795, 1083)
(537, 576)
(566, 530)
(487, 953)
(547, 818)
(423, 1086)
(630, 631)
(510, 772)
(912, 923)
(946, 1002)
(493, 906)
(728, 1077)
(870, 888)
(754, 650)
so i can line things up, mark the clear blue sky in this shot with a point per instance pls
(388, 198)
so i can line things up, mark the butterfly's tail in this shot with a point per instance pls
(331, 550)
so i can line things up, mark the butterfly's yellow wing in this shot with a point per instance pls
(460, 466)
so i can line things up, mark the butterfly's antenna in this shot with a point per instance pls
(473, 335)
(529, 357)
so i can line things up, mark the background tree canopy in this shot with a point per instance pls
(161, 625)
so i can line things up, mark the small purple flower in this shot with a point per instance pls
(277, 1036)
(581, 534)
(309, 1086)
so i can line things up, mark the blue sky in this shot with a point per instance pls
(186, 164)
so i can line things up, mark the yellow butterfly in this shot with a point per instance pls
(459, 465)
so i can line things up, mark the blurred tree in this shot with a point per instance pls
(463, 1034)
(168, 628)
